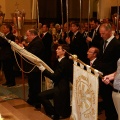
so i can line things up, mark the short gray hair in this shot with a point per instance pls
(107, 26)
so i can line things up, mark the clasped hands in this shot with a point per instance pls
(106, 80)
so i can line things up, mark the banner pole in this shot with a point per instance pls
(88, 15)
(67, 17)
(38, 15)
(62, 12)
(117, 17)
(80, 13)
(74, 57)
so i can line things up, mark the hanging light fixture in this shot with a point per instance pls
(114, 18)
(18, 18)
(2, 15)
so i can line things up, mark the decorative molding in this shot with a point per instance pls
(26, 22)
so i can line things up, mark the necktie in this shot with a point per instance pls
(42, 35)
(105, 45)
(73, 37)
(94, 34)
(90, 63)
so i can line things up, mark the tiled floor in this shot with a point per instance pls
(19, 81)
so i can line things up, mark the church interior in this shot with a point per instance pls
(32, 14)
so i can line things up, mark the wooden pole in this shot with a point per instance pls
(62, 12)
(117, 17)
(88, 15)
(67, 17)
(80, 13)
(37, 15)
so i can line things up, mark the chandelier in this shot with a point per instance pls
(18, 18)
(115, 17)
(2, 15)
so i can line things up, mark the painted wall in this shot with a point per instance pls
(104, 10)
(105, 7)
(8, 7)
(74, 8)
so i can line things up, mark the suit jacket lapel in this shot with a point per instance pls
(109, 45)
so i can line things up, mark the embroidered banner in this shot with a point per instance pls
(85, 95)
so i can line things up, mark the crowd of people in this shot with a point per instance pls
(96, 44)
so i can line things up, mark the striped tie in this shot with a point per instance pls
(90, 63)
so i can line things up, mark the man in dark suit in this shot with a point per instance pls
(35, 47)
(65, 33)
(108, 57)
(94, 37)
(47, 41)
(7, 56)
(92, 55)
(61, 92)
(77, 45)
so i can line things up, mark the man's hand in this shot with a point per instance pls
(88, 39)
(67, 40)
(21, 45)
(41, 67)
(106, 80)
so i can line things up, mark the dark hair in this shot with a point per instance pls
(33, 31)
(68, 24)
(52, 23)
(46, 25)
(76, 23)
(16, 37)
(95, 20)
(64, 47)
(8, 26)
